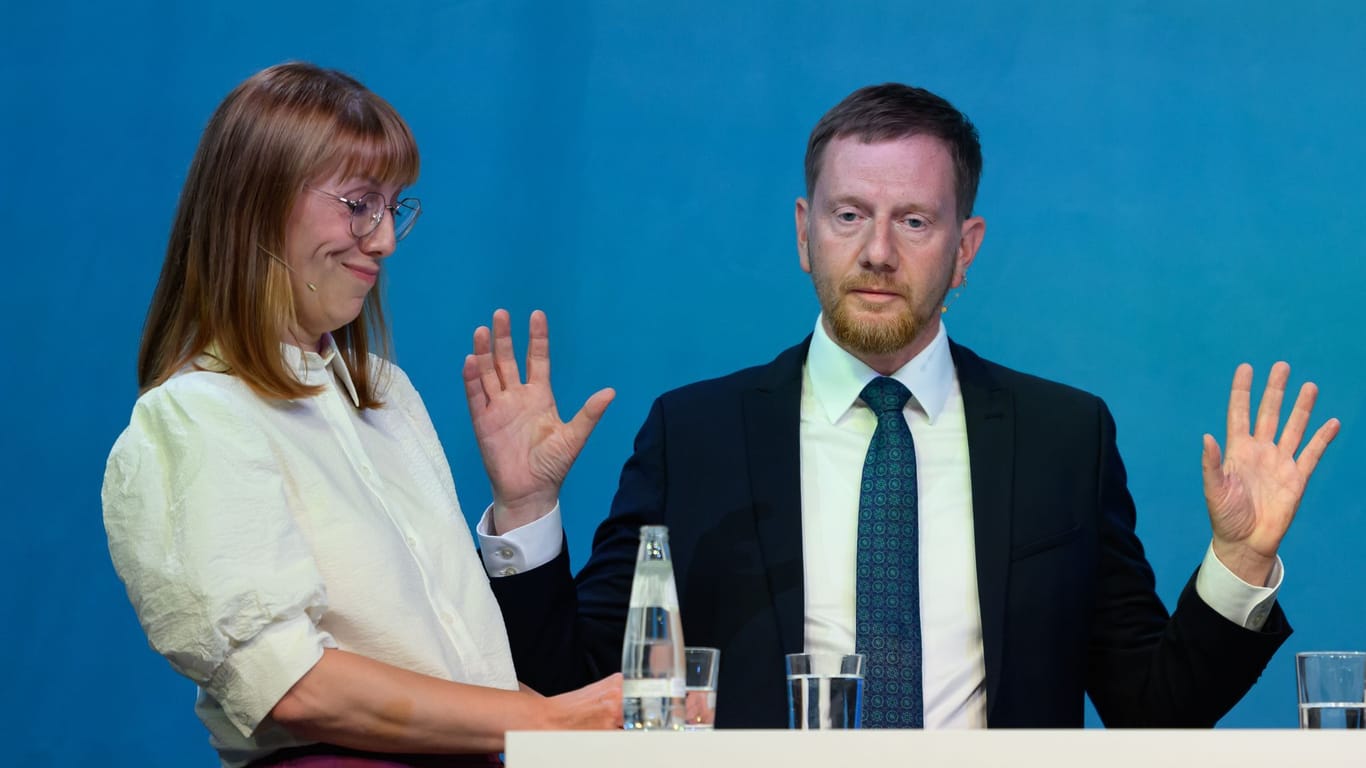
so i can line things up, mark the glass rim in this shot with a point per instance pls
(823, 664)
(826, 654)
(1342, 654)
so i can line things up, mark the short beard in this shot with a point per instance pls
(885, 336)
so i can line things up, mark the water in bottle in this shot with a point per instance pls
(653, 691)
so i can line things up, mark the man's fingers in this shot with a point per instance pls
(503, 359)
(1309, 457)
(1269, 411)
(481, 343)
(1240, 402)
(1211, 467)
(588, 416)
(538, 348)
(1298, 421)
(596, 405)
(1215, 485)
(475, 396)
(483, 357)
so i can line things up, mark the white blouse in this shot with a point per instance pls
(252, 534)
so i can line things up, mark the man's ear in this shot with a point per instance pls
(974, 228)
(803, 247)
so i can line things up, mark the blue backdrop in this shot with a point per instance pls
(1171, 188)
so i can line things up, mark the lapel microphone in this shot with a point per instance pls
(285, 264)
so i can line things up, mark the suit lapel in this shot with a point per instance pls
(990, 416)
(772, 416)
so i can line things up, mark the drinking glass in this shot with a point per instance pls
(824, 690)
(701, 666)
(1332, 689)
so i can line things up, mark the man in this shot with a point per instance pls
(975, 536)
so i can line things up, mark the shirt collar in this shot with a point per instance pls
(310, 367)
(335, 360)
(837, 377)
(313, 366)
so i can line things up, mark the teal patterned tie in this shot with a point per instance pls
(887, 614)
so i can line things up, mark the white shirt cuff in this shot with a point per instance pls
(1236, 600)
(520, 549)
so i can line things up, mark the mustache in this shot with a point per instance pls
(871, 283)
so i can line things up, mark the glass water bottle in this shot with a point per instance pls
(652, 669)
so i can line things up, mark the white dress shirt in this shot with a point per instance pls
(252, 534)
(836, 428)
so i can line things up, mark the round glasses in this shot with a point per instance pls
(368, 211)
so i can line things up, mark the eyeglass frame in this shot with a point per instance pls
(412, 203)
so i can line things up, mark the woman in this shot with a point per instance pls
(279, 507)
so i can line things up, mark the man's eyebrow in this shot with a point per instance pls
(856, 199)
(847, 199)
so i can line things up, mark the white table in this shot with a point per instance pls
(939, 749)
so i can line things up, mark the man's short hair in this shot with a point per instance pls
(894, 111)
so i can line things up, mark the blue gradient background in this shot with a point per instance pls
(1171, 188)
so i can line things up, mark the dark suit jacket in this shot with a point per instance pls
(1066, 596)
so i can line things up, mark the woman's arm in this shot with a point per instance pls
(357, 702)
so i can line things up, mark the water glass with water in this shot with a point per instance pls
(824, 690)
(700, 668)
(1332, 689)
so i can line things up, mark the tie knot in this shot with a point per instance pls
(885, 395)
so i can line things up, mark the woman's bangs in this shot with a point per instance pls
(382, 148)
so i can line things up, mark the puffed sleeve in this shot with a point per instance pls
(196, 507)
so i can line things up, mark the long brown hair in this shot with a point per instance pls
(220, 286)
